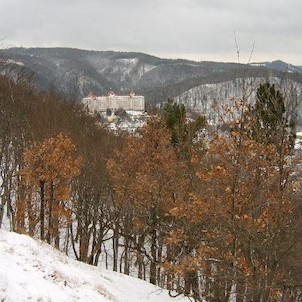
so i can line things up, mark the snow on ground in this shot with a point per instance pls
(32, 270)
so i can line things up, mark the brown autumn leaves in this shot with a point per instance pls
(212, 215)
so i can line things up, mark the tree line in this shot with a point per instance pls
(210, 214)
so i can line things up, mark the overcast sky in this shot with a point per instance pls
(190, 29)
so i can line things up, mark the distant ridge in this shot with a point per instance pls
(76, 72)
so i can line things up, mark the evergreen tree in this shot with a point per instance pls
(270, 124)
(184, 133)
(175, 116)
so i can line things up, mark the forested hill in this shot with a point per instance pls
(214, 215)
(76, 72)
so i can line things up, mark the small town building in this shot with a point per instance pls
(113, 102)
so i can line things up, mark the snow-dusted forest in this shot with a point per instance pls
(211, 212)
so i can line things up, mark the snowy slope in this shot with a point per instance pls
(33, 271)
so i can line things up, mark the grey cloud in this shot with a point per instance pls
(193, 28)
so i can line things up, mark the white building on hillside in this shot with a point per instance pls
(113, 102)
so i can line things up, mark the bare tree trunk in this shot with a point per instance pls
(50, 215)
(42, 208)
(1, 214)
(115, 240)
(153, 255)
(127, 232)
(19, 225)
(191, 284)
(55, 223)
(126, 256)
(140, 257)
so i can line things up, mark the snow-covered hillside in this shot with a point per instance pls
(75, 72)
(212, 99)
(33, 271)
